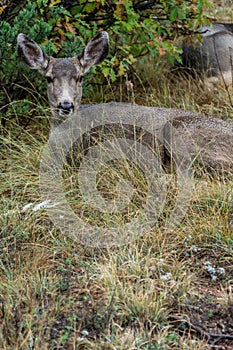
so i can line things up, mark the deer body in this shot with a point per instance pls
(208, 139)
(213, 57)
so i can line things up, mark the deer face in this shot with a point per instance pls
(64, 75)
(64, 78)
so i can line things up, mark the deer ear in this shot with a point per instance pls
(95, 51)
(31, 53)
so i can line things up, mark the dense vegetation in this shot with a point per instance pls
(136, 29)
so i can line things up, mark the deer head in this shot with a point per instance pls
(64, 75)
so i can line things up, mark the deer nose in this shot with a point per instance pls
(66, 107)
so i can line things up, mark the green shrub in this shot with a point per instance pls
(136, 29)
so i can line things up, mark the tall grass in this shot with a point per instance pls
(164, 290)
(58, 294)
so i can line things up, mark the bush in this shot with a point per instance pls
(136, 28)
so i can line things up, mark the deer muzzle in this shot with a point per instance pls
(66, 108)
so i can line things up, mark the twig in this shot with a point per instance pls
(207, 335)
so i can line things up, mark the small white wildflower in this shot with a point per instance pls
(211, 269)
(160, 262)
(84, 332)
(221, 271)
(195, 248)
(167, 276)
(152, 268)
(188, 238)
(214, 277)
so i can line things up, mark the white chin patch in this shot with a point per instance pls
(64, 113)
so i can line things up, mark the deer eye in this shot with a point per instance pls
(49, 80)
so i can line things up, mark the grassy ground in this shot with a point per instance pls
(164, 290)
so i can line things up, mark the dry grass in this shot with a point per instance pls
(164, 290)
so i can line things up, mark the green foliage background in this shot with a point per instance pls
(136, 29)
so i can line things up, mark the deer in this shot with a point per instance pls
(209, 140)
(212, 58)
